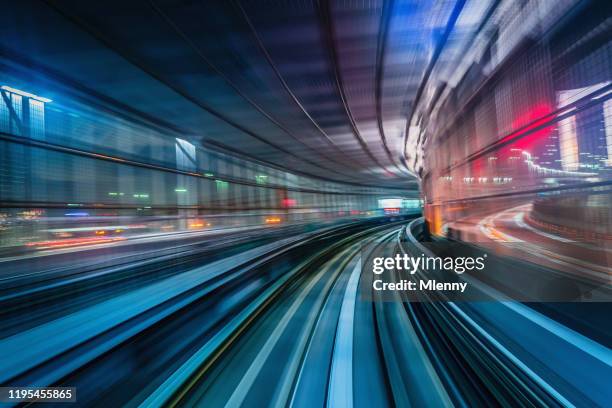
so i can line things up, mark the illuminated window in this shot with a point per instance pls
(37, 119)
(185, 155)
(12, 117)
(568, 144)
(5, 125)
(607, 112)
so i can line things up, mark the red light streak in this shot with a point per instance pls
(288, 202)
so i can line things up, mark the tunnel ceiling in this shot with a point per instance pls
(319, 88)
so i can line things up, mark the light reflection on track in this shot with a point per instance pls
(284, 323)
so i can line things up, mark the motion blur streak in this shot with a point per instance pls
(189, 192)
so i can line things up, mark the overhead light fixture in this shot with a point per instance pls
(26, 94)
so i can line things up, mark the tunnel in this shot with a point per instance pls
(306, 203)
